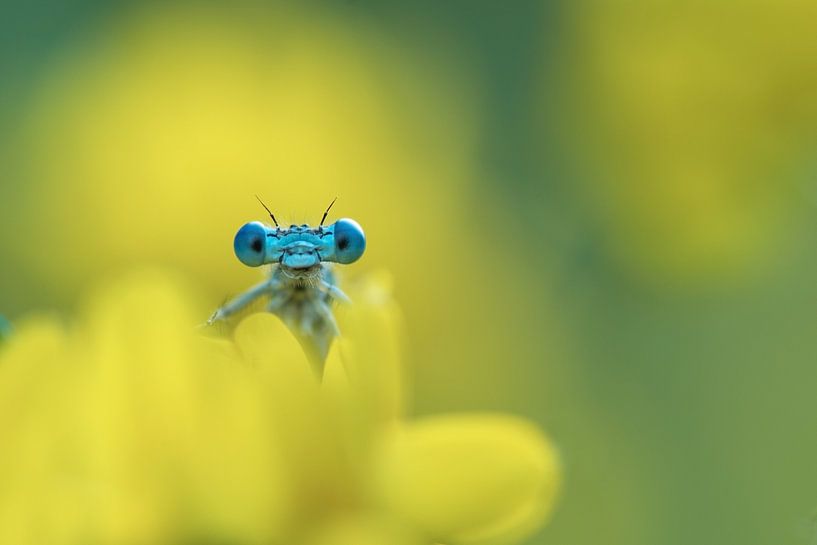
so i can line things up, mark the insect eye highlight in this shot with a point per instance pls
(250, 244)
(350, 242)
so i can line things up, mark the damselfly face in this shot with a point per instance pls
(301, 289)
(299, 249)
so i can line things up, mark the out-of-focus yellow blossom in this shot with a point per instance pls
(145, 142)
(127, 428)
(469, 478)
(130, 428)
(695, 123)
(148, 141)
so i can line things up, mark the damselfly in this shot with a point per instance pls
(301, 285)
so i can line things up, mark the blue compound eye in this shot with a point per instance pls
(350, 242)
(250, 244)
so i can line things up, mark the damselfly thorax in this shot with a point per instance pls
(301, 286)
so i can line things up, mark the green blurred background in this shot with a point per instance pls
(600, 215)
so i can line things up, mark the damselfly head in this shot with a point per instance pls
(299, 249)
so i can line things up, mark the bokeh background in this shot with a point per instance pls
(600, 215)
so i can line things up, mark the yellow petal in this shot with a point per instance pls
(267, 343)
(476, 479)
(364, 530)
(178, 433)
(369, 349)
(35, 415)
(316, 469)
(363, 382)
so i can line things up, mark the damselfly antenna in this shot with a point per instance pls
(327, 211)
(270, 211)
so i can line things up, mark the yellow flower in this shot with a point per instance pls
(694, 120)
(180, 113)
(131, 428)
(127, 428)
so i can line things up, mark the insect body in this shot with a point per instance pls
(301, 286)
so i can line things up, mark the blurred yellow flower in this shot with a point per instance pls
(129, 428)
(695, 122)
(149, 142)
